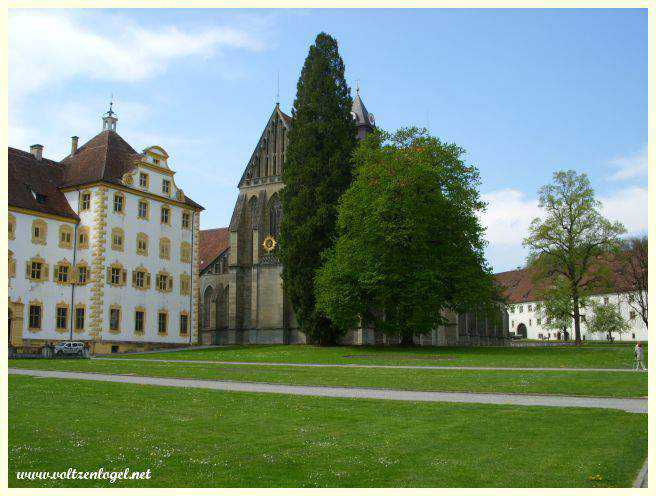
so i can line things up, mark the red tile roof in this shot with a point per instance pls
(213, 242)
(105, 157)
(27, 175)
(519, 285)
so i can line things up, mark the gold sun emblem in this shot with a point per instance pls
(269, 244)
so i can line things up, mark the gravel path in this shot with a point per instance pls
(627, 404)
(363, 366)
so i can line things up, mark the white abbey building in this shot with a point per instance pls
(103, 247)
(527, 320)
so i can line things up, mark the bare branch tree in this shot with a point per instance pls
(634, 262)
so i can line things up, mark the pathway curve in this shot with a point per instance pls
(633, 405)
(364, 366)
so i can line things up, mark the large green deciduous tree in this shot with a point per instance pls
(410, 244)
(572, 237)
(318, 169)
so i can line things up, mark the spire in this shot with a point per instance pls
(108, 118)
(278, 89)
(364, 121)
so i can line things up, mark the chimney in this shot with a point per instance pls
(74, 145)
(37, 151)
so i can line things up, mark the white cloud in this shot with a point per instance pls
(629, 206)
(508, 215)
(630, 166)
(510, 212)
(47, 47)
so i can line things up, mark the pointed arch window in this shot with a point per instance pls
(253, 206)
(275, 216)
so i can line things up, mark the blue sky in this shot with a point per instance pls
(525, 92)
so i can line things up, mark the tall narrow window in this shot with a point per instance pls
(275, 214)
(79, 319)
(62, 317)
(143, 180)
(184, 323)
(39, 232)
(186, 220)
(82, 274)
(35, 316)
(117, 239)
(118, 202)
(142, 212)
(12, 227)
(85, 201)
(142, 244)
(114, 318)
(162, 322)
(164, 249)
(166, 215)
(185, 252)
(65, 236)
(166, 186)
(139, 319)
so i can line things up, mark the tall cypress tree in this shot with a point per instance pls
(318, 169)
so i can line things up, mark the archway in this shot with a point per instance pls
(521, 331)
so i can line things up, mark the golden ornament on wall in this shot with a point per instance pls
(127, 179)
(269, 244)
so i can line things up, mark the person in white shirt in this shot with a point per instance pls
(639, 355)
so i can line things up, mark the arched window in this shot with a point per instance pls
(207, 307)
(252, 203)
(275, 215)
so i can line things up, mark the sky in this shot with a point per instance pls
(524, 92)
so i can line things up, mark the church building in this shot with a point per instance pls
(242, 298)
(103, 247)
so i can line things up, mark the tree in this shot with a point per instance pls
(572, 237)
(556, 307)
(318, 169)
(410, 244)
(635, 258)
(606, 319)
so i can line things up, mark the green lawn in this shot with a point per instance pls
(587, 356)
(617, 384)
(192, 437)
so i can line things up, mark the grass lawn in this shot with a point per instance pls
(587, 356)
(616, 384)
(193, 437)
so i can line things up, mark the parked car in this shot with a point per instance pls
(76, 348)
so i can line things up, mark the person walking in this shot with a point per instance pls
(639, 356)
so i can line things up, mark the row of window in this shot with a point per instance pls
(37, 270)
(35, 318)
(632, 316)
(40, 231)
(529, 308)
(118, 242)
(143, 208)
